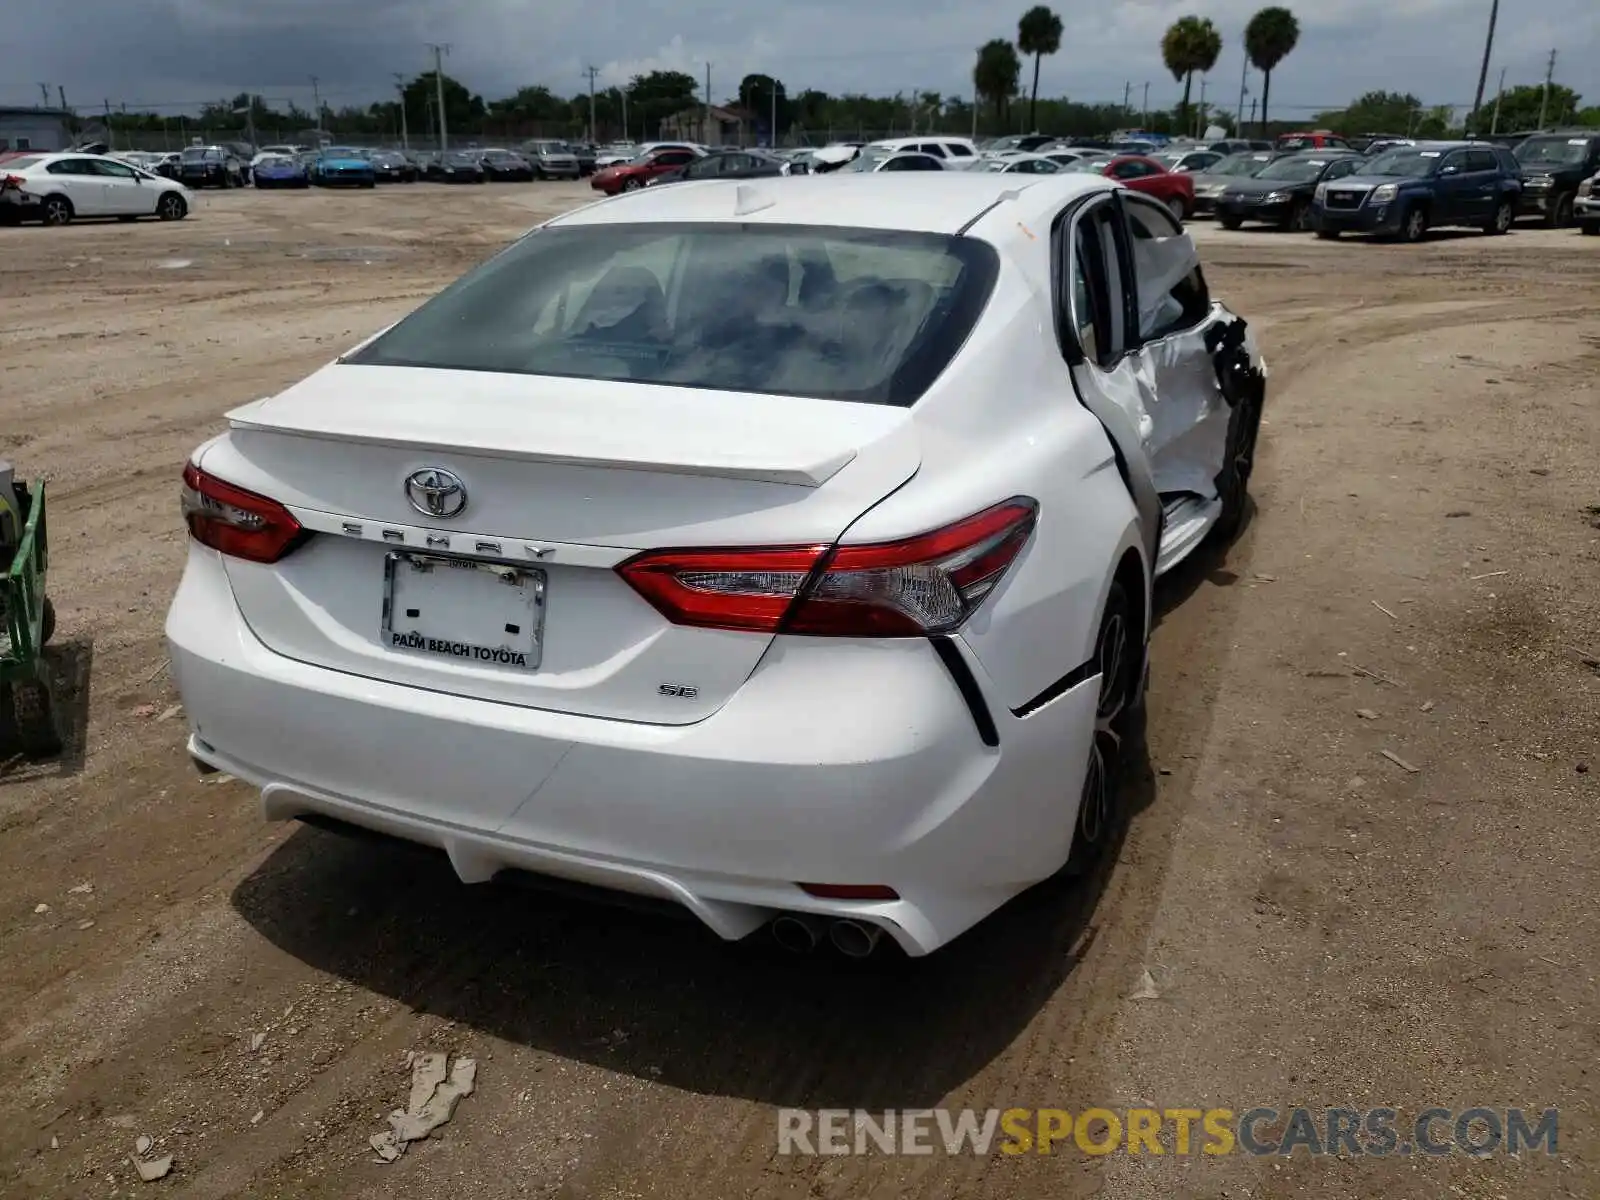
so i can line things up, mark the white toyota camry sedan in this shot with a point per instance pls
(782, 549)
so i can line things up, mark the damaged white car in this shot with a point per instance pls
(782, 550)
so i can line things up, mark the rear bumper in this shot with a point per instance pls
(837, 762)
(1586, 208)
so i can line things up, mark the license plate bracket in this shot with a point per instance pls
(477, 613)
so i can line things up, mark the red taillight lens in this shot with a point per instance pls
(237, 522)
(911, 588)
(12, 181)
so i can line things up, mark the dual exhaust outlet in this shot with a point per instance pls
(801, 934)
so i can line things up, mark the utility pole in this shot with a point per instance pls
(111, 135)
(316, 99)
(405, 132)
(1244, 79)
(1144, 122)
(1200, 113)
(1127, 94)
(974, 112)
(1483, 71)
(772, 135)
(62, 92)
(1544, 100)
(622, 93)
(44, 90)
(438, 81)
(1499, 95)
(591, 72)
(1253, 112)
(705, 131)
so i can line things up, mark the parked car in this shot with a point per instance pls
(210, 166)
(502, 166)
(392, 166)
(280, 151)
(1147, 175)
(56, 189)
(1553, 165)
(1314, 139)
(457, 166)
(1188, 161)
(1229, 146)
(586, 154)
(1406, 191)
(911, 160)
(1023, 164)
(245, 153)
(281, 170)
(635, 173)
(553, 160)
(616, 153)
(1586, 205)
(678, 622)
(1029, 143)
(955, 154)
(726, 164)
(1214, 180)
(1282, 192)
(343, 166)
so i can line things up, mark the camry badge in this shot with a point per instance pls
(435, 492)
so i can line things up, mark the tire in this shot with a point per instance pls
(1119, 655)
(1500, 222)
(28, 720)
(1560, 214)
(1328, 235)
(631, 184)
(1178, 209)
(57, 210)
(172, 207)
(1414, 224)
(1590, 228)
(47, 622)
(1299, 218)
(1233, 482)
(1230, 222)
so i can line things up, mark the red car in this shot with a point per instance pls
(635, 173)
(1175, 189)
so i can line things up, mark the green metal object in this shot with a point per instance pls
(22, 596)
(27, 621)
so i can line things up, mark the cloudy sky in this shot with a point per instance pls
(178, 53)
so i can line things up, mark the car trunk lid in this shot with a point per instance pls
(563, 480)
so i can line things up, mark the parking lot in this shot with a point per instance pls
(1361, 859)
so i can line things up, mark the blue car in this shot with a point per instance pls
(279, 170)
(343, 166)
(1404, 192)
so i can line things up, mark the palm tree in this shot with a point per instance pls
(1268, 39)
(1191, 44)
(995, 73)
(1038, 34)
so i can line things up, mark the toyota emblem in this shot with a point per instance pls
(435, 492)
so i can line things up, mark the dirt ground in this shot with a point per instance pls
(1321, 925)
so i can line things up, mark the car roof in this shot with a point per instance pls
(891, 143)
(877, 200)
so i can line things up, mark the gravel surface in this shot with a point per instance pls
(1320, 925)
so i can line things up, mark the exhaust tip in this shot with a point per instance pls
(798, 935)
(854, 939)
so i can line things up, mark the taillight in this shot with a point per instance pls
(237, 522)
(13, 182)
(918, 586)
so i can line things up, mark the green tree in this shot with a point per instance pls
(1038, 34)
(995, 74)
(1269, 38)
(756, 94)
(1520, 106)
(463, 110)
(1190, 44)
(657, 95)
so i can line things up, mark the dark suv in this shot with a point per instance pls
(1406, 191)
(1553, 165)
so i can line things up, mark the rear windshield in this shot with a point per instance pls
(20, 164)
(838, 314)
